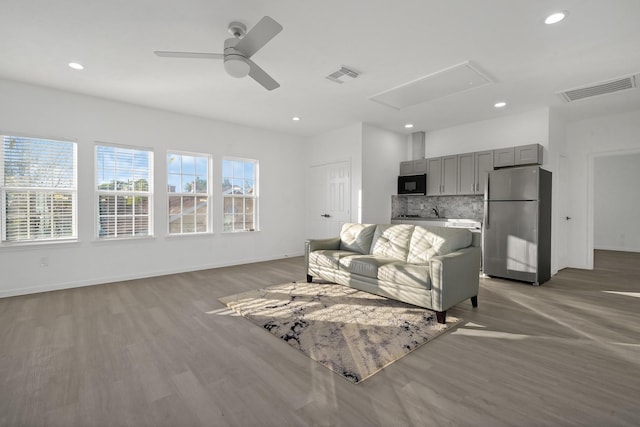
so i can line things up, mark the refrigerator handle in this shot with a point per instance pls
(487, 222)
(487, 189)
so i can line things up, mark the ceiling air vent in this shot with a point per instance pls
(597, 89)
(343, 71)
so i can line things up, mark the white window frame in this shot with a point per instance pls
(124, 193)
(50, 190)
(193, 193)
(254, 196)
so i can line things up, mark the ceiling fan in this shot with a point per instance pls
(238, 49)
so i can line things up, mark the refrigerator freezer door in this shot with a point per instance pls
(513, 184)
(511, 240)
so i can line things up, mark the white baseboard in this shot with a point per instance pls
(112, 279)
(616, 248)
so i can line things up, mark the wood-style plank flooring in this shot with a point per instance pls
(163, 352)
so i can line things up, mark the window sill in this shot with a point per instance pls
(187, 235)
(123, 239)
(35, 244)
(239, 233)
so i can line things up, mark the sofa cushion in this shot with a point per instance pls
(392, 241)
(402, 273)
(364, 265)
(327, 257)
(429, 241)
(356, 237)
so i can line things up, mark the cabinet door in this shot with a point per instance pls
(528, 154)
(466, 173)
(434, 178)
(449, 175)
(504, 157)
(406, 168)
(419, 166)
(484, 165)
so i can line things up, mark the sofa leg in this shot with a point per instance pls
(441, 316)
(474, 301)
(309, 278)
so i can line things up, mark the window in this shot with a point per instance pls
(239, 192)
(124, 191)
(188, 188)
(38, 189)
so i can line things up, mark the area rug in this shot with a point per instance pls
(351, 332)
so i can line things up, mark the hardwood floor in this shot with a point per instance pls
(164, 352)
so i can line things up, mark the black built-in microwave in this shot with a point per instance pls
(412, 184)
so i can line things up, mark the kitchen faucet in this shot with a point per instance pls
(436, 211)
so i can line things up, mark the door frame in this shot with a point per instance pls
(591, 202)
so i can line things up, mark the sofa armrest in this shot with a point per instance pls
(454, 277)
(319, 244)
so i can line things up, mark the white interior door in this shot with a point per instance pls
(329, 199)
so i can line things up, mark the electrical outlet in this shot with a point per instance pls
(44, 261)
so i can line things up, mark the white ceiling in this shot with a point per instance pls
(389, 42)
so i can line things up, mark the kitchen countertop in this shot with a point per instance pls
(430, 218)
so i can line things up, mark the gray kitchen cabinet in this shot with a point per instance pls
(449, 175)
(472, 171)
(413, 167)
(504, 157)
(419, 166)
(442, 179)
(467, 173)
(528, 154)
(434, 177)
(516, 156)
(406, 168)
(483, 165)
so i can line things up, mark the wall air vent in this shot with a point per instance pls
(336, 76)
(602, 88)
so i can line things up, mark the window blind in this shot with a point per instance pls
(124, 188)
(38, 189)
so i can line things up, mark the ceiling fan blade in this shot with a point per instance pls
(259, 75)
(196, 55)
(266, 29)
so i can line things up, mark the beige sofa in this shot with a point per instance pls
(431, 267)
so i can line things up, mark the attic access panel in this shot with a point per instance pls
(456, 79)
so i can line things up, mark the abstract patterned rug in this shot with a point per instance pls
(351, 332)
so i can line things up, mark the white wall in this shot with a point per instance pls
(382, 152)
(508, 131)
(338, 145)
(39, 112)
(617, 203)
(587, 140)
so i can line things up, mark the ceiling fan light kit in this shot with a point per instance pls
(238, 49)
(236, 66)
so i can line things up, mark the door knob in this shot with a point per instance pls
(568, 218)
(326, 215)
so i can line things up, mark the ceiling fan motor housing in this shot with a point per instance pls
(235, 62)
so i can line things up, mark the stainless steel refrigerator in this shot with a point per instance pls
(517, 224)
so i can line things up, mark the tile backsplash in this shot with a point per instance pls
(468, 207)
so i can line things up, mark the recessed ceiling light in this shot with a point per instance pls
(295, 119)
(408, 125)
(555, 17)
(500, 104)
(76, 66)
